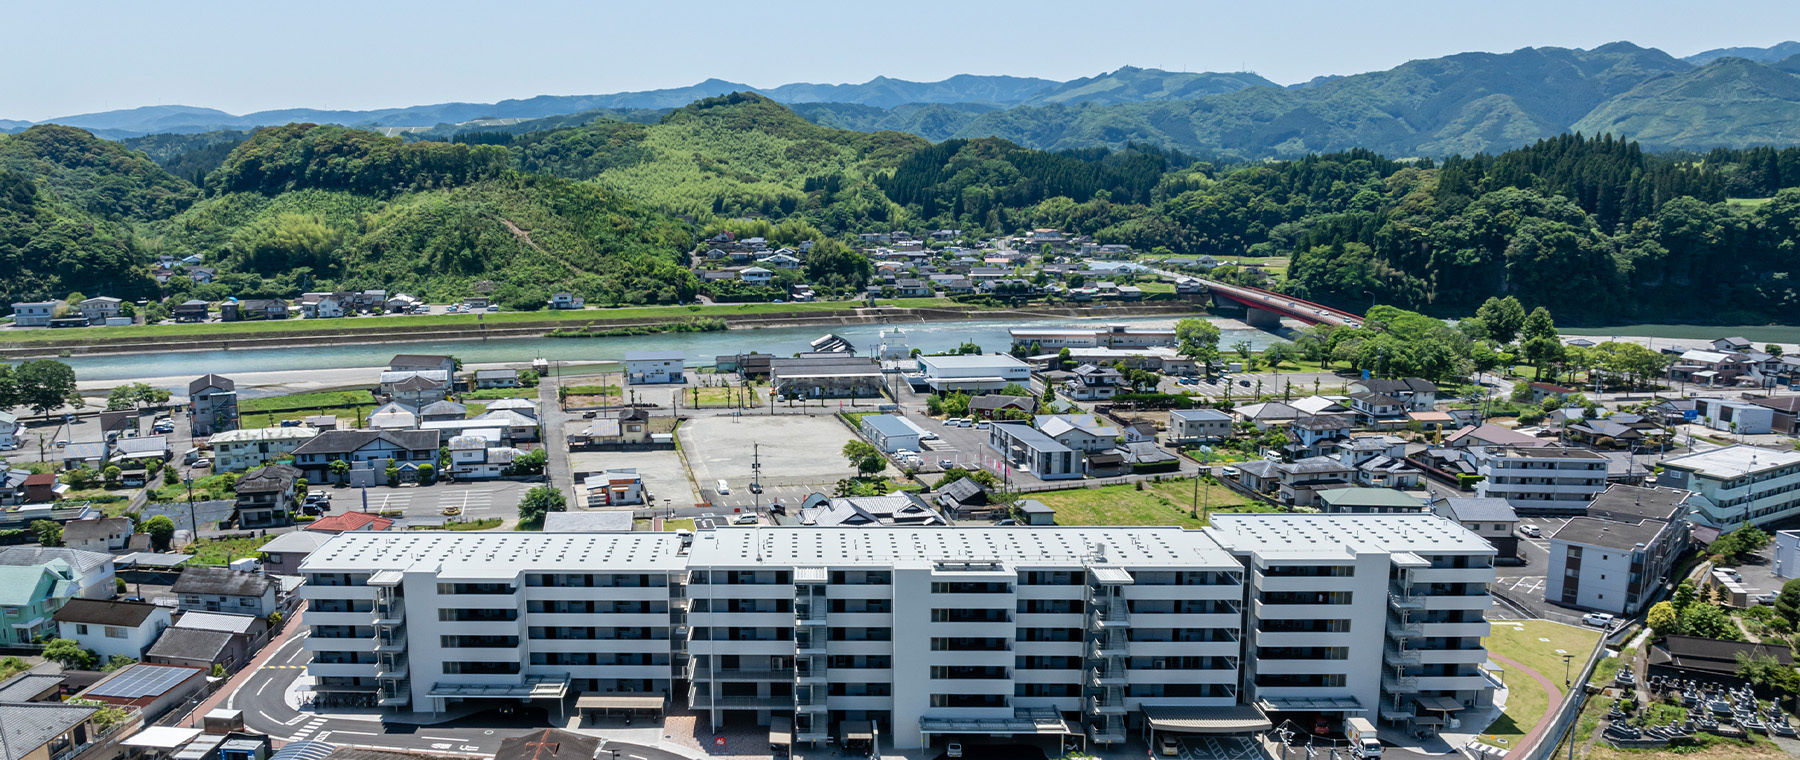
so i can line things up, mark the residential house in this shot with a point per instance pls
(1322, 405)
(212, 405)
(415, 388)
(253, 309)
(780, 260)
(1091, 383)
(348, 522)
(1297, 483)
(1083, 432)
(1542, 390)
(630, 428)
(567, 301)
(756, 275)
(989, 405)
(323, 306)
(202, 275)
(100, 308)
(1782, 420)
(1267, 414)
(401, 303)
(46, 730)
(1388, 472)
(265, 496)
(1710, 368)
(1316, 434)
(92, 572)
(148, 687)
(900, 508)
(105, 534)
(1488, 434)
(1619, 553)
(965, 499)
(423, 363)
(439, 411)
(1417, 394)
(519, 426)
(283, 554)
(33, 313)
(1377, 408)
(12, 433)
(111, 628)
(365, 450)
(1025, 447)
(193, 310)
(622, 487)
(220, 589)
(162, 274)
(1712, 661)
(1198, 426)
(655, 367)
(496, 378)
(907, 287)
(1367, 501)
(1737, 344)
(1490, 518)
(30, 595)
(474, 457)
(195, 649)
(242, 450)
(393, 416)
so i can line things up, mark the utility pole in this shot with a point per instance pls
(756, 478)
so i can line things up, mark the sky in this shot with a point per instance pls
(67, 58)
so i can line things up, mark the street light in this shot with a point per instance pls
(193, 522)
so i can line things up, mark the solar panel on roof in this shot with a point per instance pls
(143, 681)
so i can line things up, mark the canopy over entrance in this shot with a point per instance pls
(619, 702)
(1238, 719)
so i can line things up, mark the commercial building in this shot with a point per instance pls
(654, 367)
(33, 313)
(1545, 480)
(1372, 616)
(972, 373)
(890, 433)
(1616, 556)
(1111, 336)
(833, 376)
(1738, 484)
(1026, 632)
(1735, 416)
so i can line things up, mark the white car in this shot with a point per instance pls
(746, 520)
(1230, 472)
(1597, 619)
(953, 749)
(1531, 531)
(723, 488)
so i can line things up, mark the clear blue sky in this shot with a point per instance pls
(64, 58)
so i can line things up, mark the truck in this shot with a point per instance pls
(1361, 734)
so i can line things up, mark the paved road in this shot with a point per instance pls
(551, 421)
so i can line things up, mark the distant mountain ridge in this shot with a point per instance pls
(1769, 54)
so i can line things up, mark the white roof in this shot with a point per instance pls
(1339, 536)
(216, 621)
(297, 541)
(1044, 546)
(454, 554)
(394, 376)
(1733, 461)
(162, 737)
(1707, 357)
(966, 361)
(256, 435)
(1317, 404)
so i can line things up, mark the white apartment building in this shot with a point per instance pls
(1372, 616)
(250, 448)
(917, 635)
(1739, 483)
(1112, 336)
(1549, 479)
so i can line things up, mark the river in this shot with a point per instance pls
(700, 348)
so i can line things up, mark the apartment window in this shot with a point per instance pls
(115, 632)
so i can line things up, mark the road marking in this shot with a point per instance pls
(358, 733)
(440, 738)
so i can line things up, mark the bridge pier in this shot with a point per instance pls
(1262, 319)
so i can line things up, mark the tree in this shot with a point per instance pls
(529, 463)
(339, 469)
(1768, 673)
(1014, 389)
(393, 475)
(1787, 603)
(864, 457)
(427, 474)
(49, 532)
(1661, 618)
(118, 661)
(132, 395)
(1198, 340)
(70, 655)
(110, 475)
(1503, 318)
(540, 501)
(1708, 621)
(161, 530)
(45, 384)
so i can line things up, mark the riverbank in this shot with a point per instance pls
(26, 344)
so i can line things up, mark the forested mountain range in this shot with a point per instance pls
(1596, 229)
(1464, 103)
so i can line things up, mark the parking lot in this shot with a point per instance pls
(665, 477)
(426, 504)
(1520, 588)
(795, 450)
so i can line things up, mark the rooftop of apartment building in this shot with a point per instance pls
(1734, 461)
(1548, 452)
(1044, 546)
(461, 554)
(1336, 536)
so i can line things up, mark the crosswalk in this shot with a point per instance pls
(307, 730)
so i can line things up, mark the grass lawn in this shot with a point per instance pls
(208, 488)
(499, 393)
(209, 551)
(1526, 699)
(305, 401)
(684, 523)
(486, 524)
(348, 416)
(592, 390)
(1166, 503)
(718, 397)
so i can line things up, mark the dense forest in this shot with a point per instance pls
(1594, 229)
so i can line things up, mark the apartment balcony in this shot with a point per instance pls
(621, 593)
(1301, 638)
(1200, 675)
(703, 700)
(1474, 656)
(721, 619)
(1395, 656)
(752, 674)
(753, 647)
(1471, 682)
(1307, 583)
(1265, 611)
(395, 670)
(1184, 648)
(310, 592)
(482, 628)
(1476, 629)
(350, 669)
(864, 702)
(1230, 592)
(1427, 575)
(810, 642)
(315, 643)
(1227, 620)
(863, 619)
(387, 645)
(315, 618)
(1050, 620)
(627, 672)
(653, 646)
(1476, 601)
(1299, 667)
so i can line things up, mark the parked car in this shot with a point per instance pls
(946, 463)
(1597, 619)
(746, 519)
(1169, 746)
(1245, 383)
(778, 508)
(755, 488)
(953, 749)
(1768, 598)
(1531, 531)
(1230, 472)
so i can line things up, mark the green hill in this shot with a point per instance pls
(1134, 85)
(1731, 101)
